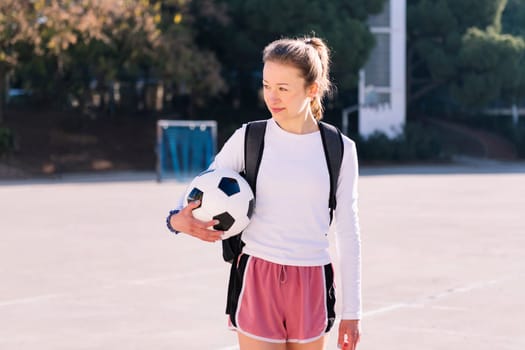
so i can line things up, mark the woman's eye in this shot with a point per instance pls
(283, 89)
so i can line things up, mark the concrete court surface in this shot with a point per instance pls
(86, 263)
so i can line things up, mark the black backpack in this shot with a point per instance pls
(253, 150)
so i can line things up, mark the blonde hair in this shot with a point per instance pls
(312, 57)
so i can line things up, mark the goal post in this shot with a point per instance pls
(184, 147)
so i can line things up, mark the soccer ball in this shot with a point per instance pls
(225, 196)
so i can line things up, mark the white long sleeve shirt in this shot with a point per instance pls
(291, 219)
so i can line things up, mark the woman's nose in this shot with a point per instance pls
(273, 96)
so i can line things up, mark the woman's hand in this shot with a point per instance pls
(184, 221)
(349, 334)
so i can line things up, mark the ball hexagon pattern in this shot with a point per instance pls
(225, 196)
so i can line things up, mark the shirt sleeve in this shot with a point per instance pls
(347, 233)
(230, 156)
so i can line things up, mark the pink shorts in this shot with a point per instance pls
(281, 303)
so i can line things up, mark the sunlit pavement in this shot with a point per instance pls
(87, 263)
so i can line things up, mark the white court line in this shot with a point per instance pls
(382, 310)
(421, 302)
(454, 332)
(29, 299)
(424, 301)
(508, 342)
(115, 284)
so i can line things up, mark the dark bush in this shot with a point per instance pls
(518, 139)
(501, 125)
(418, 142)
(6, 141)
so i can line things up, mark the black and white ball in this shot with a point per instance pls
(225, 196)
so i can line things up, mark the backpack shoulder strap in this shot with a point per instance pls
(253, 150)
(333, 150)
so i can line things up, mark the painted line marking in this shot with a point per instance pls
(29, 299)
(424, 301)
(116, 284)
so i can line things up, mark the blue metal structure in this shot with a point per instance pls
(184, 147)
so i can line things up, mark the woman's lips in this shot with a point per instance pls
(276, 110)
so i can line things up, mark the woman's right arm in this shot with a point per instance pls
(184, 222)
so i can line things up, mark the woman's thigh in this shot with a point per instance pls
(248, 343)
(315, 345)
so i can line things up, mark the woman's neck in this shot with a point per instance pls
(299, 126)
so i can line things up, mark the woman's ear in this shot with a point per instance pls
(313, 90)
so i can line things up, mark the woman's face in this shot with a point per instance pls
(285, 93)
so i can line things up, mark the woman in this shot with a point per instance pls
(287, 296)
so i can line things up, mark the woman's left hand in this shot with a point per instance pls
(349, 334)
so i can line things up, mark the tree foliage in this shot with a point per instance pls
(459, 45)
(492, 67)
(183, 62)
(51, 33)
(254, 23)
(60, 47)
(15, 28)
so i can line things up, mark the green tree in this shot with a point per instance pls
(191, 69)
(51, 30)
(254, 23)
(492, 66)
(15, 28)
(90, 39)
(458, 45)
(59, 46)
